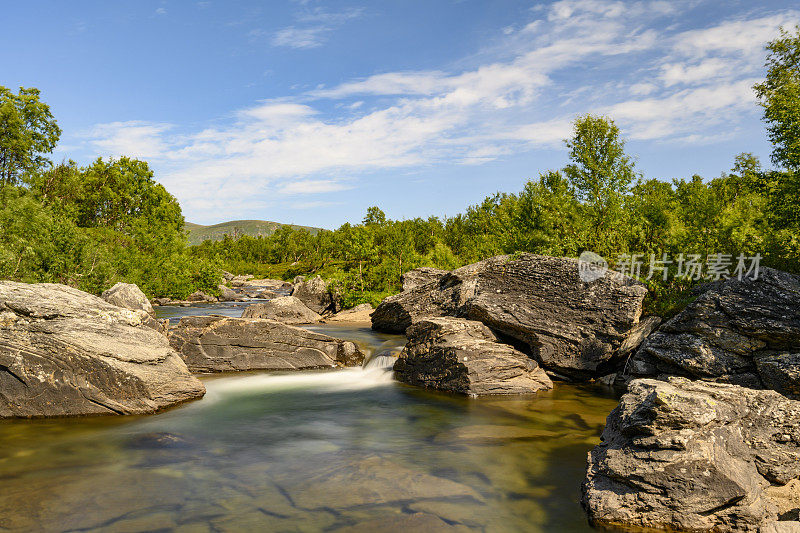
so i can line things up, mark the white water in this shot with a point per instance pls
(349, 379)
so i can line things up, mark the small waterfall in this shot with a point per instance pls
(383, 360)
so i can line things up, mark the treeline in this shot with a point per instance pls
(90, 227)
(747, 211)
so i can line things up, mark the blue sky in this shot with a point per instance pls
(309, 112)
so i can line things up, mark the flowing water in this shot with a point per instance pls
(341, 450)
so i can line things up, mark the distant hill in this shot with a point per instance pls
(235, 228)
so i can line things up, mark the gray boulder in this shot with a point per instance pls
(315, 295)
(421, 276)
(129, 296)
(743, 332)
(220, 344)
(697, 456)
(64, 352)
(569, 326)
(286, 309)
(464, 356)
(227, 294)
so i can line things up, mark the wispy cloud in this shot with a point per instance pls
(688, 85)
(300, 37)
(313, 28)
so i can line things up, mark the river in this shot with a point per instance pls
(340, 450)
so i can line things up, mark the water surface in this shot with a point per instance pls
(341, 450)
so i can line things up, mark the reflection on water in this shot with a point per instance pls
(348, 450)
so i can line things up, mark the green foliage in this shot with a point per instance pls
(601, 174)
(27, 132)
(779, 95)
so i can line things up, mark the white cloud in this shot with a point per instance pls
(133, 138)
(161, 11)
(300, 37)
(317, 24)
(312, 187)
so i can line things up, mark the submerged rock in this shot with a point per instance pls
(129, 296)
(569, 326)
(64, 352)
(286, 309)
(743, 332)
(463, 356)
(220, 344)
(696, 456)
(421, 276)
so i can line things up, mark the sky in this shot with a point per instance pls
(309, 112)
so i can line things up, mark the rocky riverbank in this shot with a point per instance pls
(720, 453)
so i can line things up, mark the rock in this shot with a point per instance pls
(421, 276)
(569, 326)
(129, 296)
(286, 309)
(463, 356)
(220, 344)
(227, 275)
(64, 352)
(314, 293)
(161, 301)
(228, 295)
(200, 296)
(360, 313)
(298, 279)
(743, 332)
(696, 456)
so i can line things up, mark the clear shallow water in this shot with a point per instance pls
(346, 450)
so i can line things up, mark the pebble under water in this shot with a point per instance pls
(339, 450)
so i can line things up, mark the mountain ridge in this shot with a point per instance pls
(197, 233)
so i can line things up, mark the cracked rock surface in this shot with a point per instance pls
(220, 344)
(64, 352)
(697, 456)
(742, 332)
(463, 356)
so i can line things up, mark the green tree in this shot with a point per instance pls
(28, 132)
(601, 174)
(779, 95)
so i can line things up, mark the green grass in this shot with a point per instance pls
(236, 228)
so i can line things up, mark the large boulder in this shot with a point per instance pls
(569, 326)
(314, 293)
(129, 296)
(64, 352)
(697, 456)
(286, 309)
(464, 356)
(421, 276)
(220, 344)
(745, 332)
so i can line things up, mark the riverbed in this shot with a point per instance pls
(339, 450)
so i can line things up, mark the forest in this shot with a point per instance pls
(111, 221)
